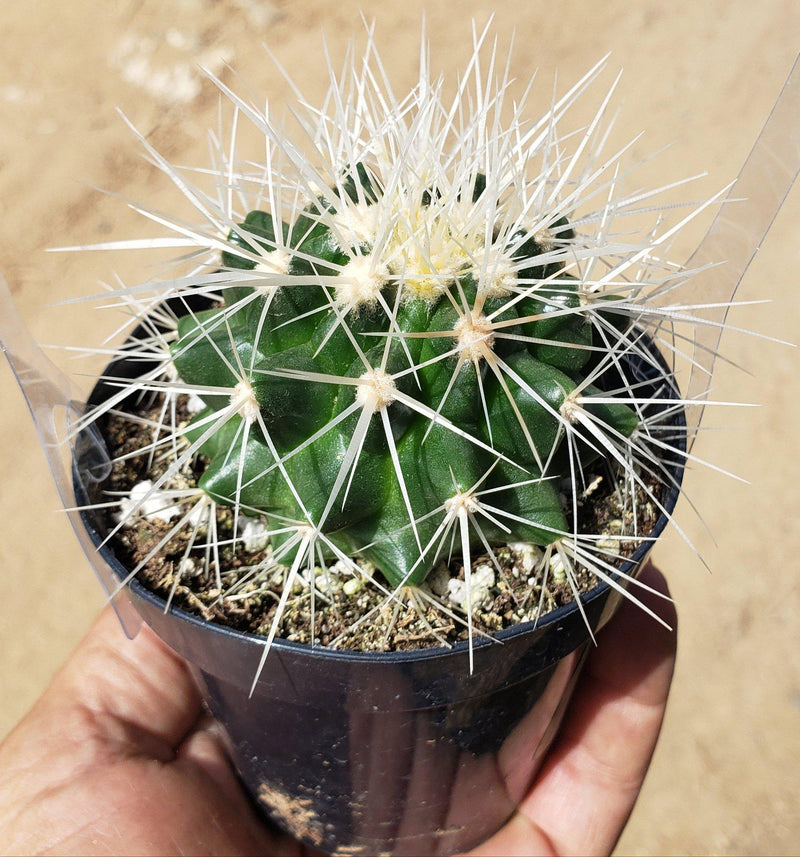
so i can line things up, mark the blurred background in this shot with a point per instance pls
(699, 78)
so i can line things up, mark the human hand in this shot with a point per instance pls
(583, 795)
(117, 757)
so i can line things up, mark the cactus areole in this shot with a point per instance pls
(386, 377)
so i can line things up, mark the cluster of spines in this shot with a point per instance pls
(447, 210)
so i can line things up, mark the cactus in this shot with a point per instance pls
(414, 338)
(389, 394)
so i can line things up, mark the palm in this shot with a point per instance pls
(131, 766)
(117, 757)
(137, 806)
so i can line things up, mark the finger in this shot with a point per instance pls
(138, 695)
(205, 747)
(202, 758)
(592, 776)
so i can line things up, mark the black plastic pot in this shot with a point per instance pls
(402, 753)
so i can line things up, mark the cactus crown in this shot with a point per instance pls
(415, 333)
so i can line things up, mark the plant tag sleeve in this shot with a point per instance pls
(736, 234)
(56, 410)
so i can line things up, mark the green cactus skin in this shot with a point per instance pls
(316, 353)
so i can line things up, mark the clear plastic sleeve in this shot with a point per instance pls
(734, 236)
(54, 406)
(738, 231)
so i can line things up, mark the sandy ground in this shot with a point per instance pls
(699, 76)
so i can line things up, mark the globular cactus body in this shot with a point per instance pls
(382, 373)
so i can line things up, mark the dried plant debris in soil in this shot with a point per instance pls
(235, 584)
